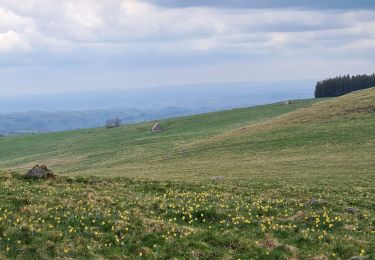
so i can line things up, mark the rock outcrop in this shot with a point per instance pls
(40, 172)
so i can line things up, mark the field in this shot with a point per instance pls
(269, 182)
(131, 150)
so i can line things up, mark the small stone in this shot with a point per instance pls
(312, 202)
(217, 178)
(357, 257)
(351, 210)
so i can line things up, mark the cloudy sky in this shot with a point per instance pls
(64, 45)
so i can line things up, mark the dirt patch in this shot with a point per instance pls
(300, 215)
(294, 250)
(319, 257)
(349, 227)
(270, 243)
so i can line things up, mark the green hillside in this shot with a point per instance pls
(259, 141)
(129, 150)
(269, 182)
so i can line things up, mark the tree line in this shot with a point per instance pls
(341, 85)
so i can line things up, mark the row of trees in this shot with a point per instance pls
(114, 122)
(334, 87)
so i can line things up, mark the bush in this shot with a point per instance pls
(114, 122)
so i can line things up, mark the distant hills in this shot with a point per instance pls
(43, 122)
(58, 112)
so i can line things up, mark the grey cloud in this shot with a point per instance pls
(152, 42)
(306, 4)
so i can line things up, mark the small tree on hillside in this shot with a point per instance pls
(114, 122)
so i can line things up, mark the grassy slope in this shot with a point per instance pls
(317, 141)
(261, 210)
(331, 138)
(126, 150)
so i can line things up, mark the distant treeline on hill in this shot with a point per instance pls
(338, 86)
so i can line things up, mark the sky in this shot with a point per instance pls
(52, 46)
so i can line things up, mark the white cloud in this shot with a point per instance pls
(11, 41)
(143, 26)
(9, 20)
(84, 14)
(143, 37)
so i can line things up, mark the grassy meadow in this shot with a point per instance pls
(269, 182)
(131, 150)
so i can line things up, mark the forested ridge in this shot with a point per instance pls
(341, 85)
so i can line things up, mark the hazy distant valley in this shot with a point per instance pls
(48, 113)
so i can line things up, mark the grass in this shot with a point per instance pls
(88, 217)
(128, 149)
(298, 183)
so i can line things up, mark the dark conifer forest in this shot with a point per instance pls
(341, 85)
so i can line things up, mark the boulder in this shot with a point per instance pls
(39, 172)
(157, 128)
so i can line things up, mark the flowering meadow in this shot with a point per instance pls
(121, 218)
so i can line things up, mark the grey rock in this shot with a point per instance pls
(217, 178)
(39, 172)
(312, 202)
(351, 210)
(157, 128)
(357, 257)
